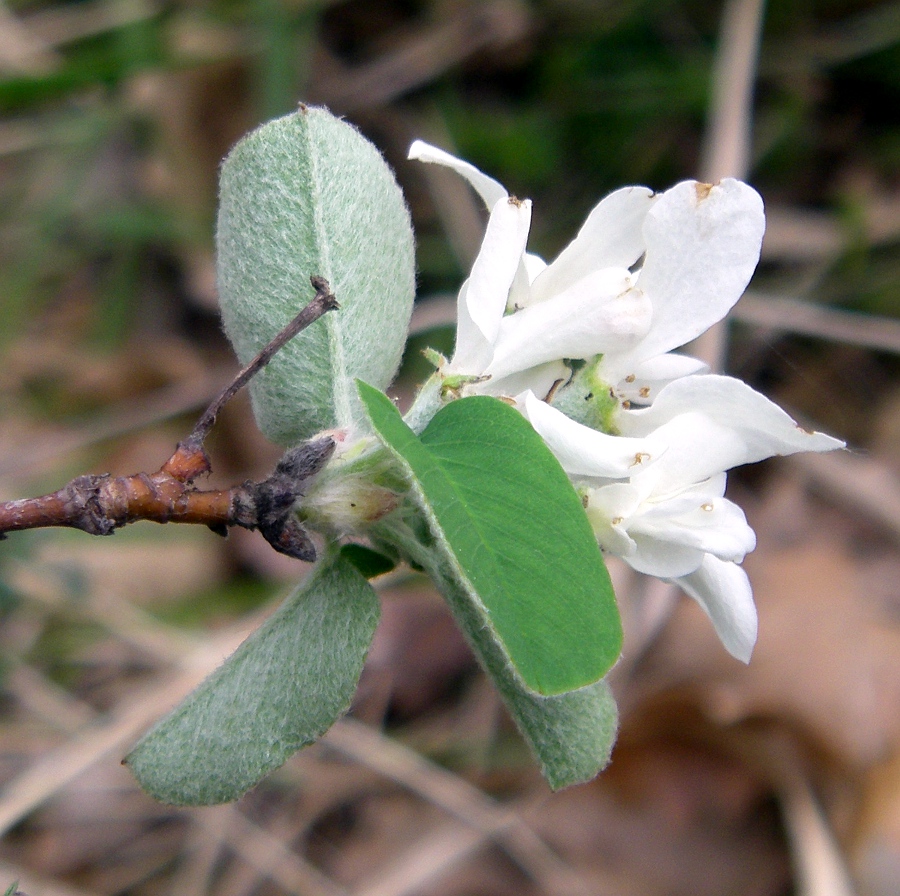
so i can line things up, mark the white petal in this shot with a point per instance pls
(598, 314)
(670, 366)
(490, 190)
(473, 350)
(716, 526)
(668, 538)
(609, 509)
(642, 384)
(533, 265)
(723, 590)
(583, 451)
(540, 380)
(483, 297)
(696, 448)
(610, 237)
(702, 244)
(662, 558)
(742, 426)
(529, 267)
(685, 499)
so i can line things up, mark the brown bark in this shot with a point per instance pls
(100, 504)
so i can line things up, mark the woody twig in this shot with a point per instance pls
(100, 504)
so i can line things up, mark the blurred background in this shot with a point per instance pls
(779, 778)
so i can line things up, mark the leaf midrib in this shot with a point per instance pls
(340, 382)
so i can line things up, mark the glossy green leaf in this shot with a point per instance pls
(572, 734)
(280, 690)
(504, 512)
(308, 194)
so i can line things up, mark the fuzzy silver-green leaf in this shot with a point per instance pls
(307, 195)
(280, 690)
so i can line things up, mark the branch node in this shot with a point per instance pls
(84, 504)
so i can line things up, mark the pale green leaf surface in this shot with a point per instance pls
(307, 194)
(516, 536)
(279, 691)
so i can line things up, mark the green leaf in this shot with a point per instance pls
(279, 691)
(369, 563)
(504, 513)
(571, 735)
(307, 194)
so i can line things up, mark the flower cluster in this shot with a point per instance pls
(584, 345)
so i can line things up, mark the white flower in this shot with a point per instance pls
(657, 500)
(645, 274)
